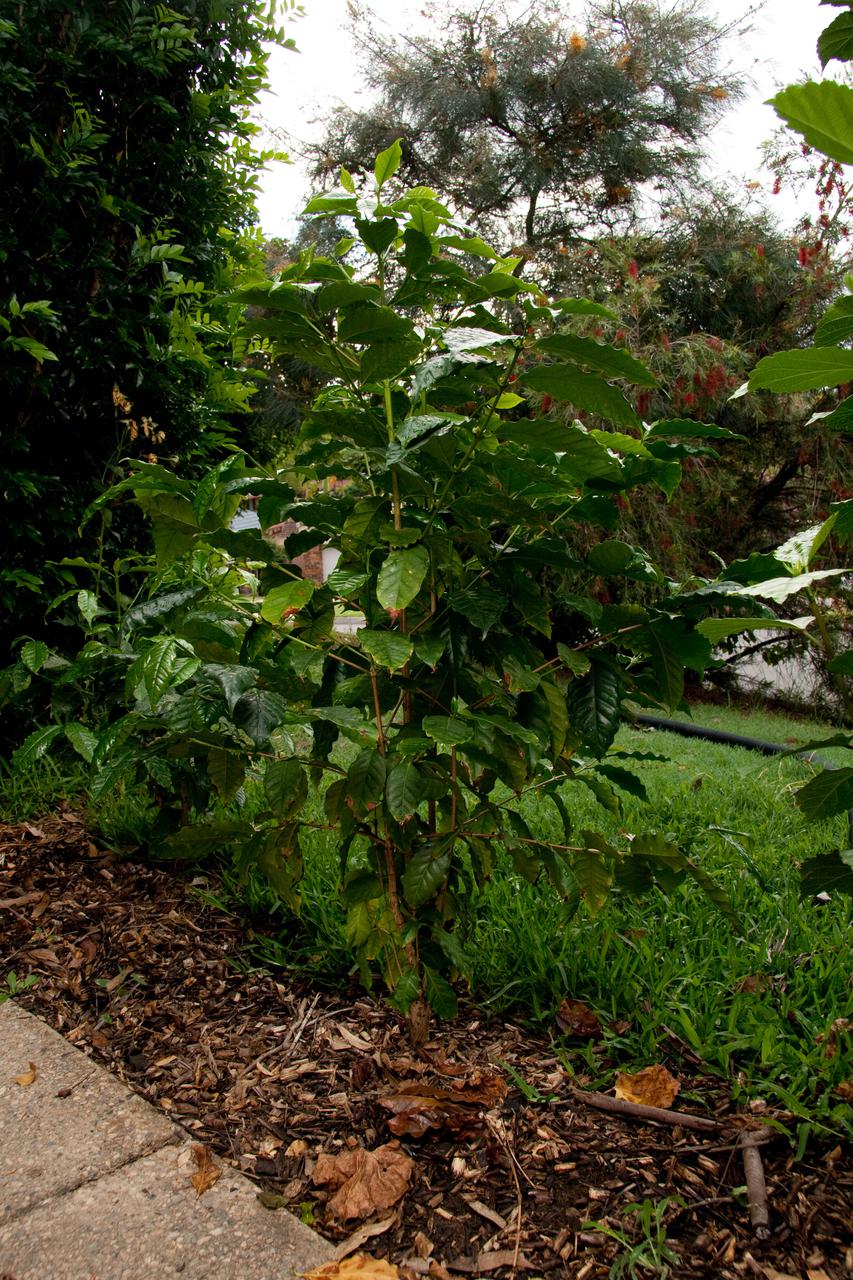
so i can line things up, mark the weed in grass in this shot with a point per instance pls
(13, 985)
(650, 1254)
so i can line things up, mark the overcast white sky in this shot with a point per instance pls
(305, 85)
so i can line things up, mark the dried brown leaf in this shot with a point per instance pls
(577, 1019)
(651, 1087)
(28, 1077)
(362, 1234)
(364, 1181)
(207, 1173)
(417, 1108)
(845, 1090)
(359, 1267)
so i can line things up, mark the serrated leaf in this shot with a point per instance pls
(258, 712)
(803, 370)
(387, 648)
(440, 995)
(780, 589)
(404, 790)
(287, 600)
(34, 654)
(614, 362)
(83, 740)
(285, 787)
(827, 794)
(467, 338)
(158, 666)
(365, 781)
(836, 323)
(35, 746)
(427, 871)
(594, 707)
(401, 577)
(583, 390)
(227, 771)
(836, 41)
(717, 629)
(687, 429)
(583, 307)
(822, 113)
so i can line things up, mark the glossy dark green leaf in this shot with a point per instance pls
(401, 577)
(827, 873)
(613, 362)
(227, 771)
(427, 871)
(365, 781)
(404, 790)
(827, 794)
(285, 787)
(595, 706)
(583, 390)
(258, 712)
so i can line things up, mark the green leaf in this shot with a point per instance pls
(34, 654)
(593, 870)
(257, 712)
(227, 772)
(836, 323)
(583, 307)
(803, 370)
(450, 731)
(625, 779)
(611, 361)
(822, 113)
(780, 589)
(83, 740)
(427, 871)
(594, 706)
(687, 429)
(827, 873)
(387, 648)
(285, 787)
(842, 665)
(88, 605)
(347, 180)
(158, 666)
(717, 629)
(365, 781)
(287, 600)
(836, 41)
(35, 746)
(828, 793)
(467, 338)
(371, 323)
(388, 162)
(199, 841)
(583, 390)
(401, 576)
(839, 419)
(404, 790)
(440, 995)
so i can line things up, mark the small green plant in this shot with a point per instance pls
(644, 1251)
(496, 654)
(13, 985)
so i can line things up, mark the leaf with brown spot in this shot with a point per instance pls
(364, 1181)
(28, 1077)
(577, 1019)
(651, 1087)
(359, 1267)
(207, 1173)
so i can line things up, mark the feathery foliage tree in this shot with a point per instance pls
(542, 127)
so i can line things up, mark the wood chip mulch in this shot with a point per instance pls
(139, 971)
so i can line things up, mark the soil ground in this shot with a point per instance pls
(136, 968)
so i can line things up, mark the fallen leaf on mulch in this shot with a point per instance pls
(364, 1181)
(491, 1260)
(207, 1171)
(577, 1019)
(651, 1087)
(359, 1267)
(362, 1234)
(417, 1108)
(28, 1077)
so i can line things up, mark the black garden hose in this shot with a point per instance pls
(739, 740)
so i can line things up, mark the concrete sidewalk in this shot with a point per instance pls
(95, 1184)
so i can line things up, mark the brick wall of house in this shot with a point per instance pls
(310, 562)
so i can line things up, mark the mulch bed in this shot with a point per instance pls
(136, 970)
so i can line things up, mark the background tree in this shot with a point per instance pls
(127, 206)
(540, 129)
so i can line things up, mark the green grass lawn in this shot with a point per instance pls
(758, 1009)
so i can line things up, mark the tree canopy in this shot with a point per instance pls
(545, 126)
